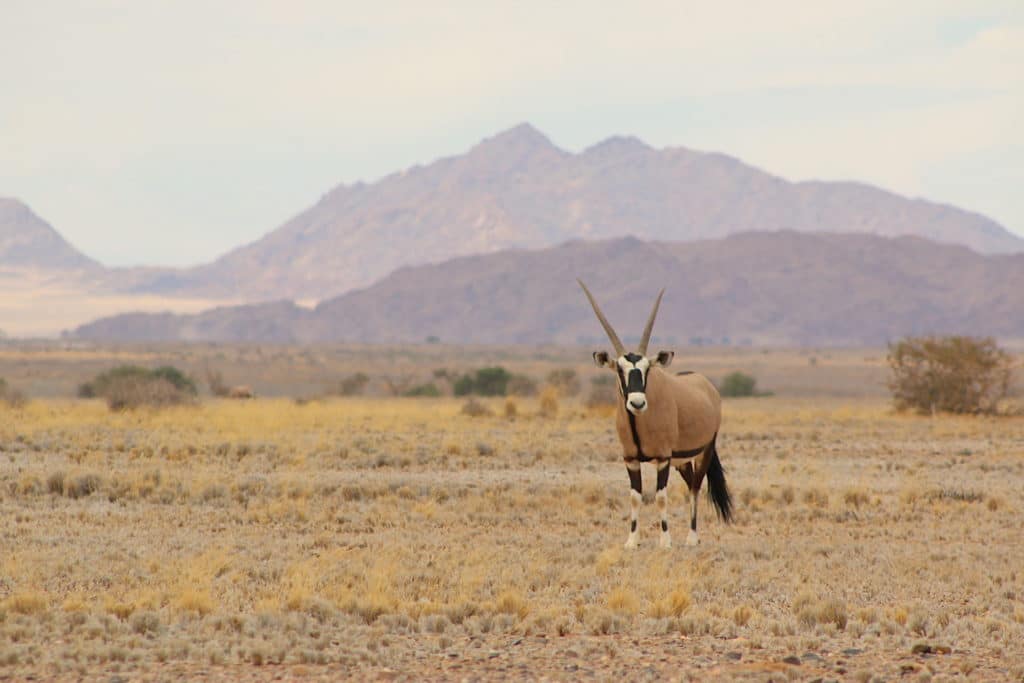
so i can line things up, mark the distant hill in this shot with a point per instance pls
(777, 288)
(27, 241)
(517, 190)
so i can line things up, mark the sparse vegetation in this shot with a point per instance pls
(948, 374)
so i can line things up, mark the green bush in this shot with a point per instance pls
(353, 385)
(484, 382)
(949, 374)
(132, 386)
(429, 389)
(738, 384)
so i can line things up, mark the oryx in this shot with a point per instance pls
(669, 420)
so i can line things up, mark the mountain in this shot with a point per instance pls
(517, 190)
(27, 241)
(766, 288)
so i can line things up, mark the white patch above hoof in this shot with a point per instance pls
(630, 542)
(691, 538)
(666, 541)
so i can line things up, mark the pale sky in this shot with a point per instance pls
(165, 133)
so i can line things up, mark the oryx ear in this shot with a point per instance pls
(602, 359)
(665, 357)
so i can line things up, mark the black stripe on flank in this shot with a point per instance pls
(685, 372)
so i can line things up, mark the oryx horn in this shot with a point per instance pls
(646, 336)
(614, 338)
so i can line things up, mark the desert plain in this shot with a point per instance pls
(305, 535)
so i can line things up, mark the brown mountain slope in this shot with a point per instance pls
(784, 288)
(517, 190)
(27, 241)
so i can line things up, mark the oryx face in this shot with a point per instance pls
(632, 369)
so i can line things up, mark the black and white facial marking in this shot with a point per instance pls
(633, 370)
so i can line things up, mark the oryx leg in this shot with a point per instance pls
(661, 499)
(693, 487)
(635, 498)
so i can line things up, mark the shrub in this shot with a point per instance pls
(602, 392)
(131, 386)
(484, 382)
(215, 380)
(11, 396)
(522, 385)
(475, 408)
(738, 384)
(565, 380)
(429, 389)
(353, 385)
(949, 374)
(549, 402)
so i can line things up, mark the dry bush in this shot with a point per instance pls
(521, 385)
(475, 408)
(215, 380)
(353, 385)
(948, 374)
(11, 396)
(565, 380)
(549, 402)
(603, 393)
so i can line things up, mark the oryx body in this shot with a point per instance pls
(669, 420)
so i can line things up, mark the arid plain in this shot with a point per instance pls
(307, 535)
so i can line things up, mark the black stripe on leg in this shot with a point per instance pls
(663, 475)
(664, 525)
(632, 526)
(636, 481)
(693, 523)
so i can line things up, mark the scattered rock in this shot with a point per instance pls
(734, 656)
(792, 659)
(811, 657)
(851, 651)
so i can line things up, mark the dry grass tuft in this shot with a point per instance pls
(199, 602)
(25, 603)
(512, 602)
(672, 605)
(622, 600)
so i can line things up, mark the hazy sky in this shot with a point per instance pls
(169, 132)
